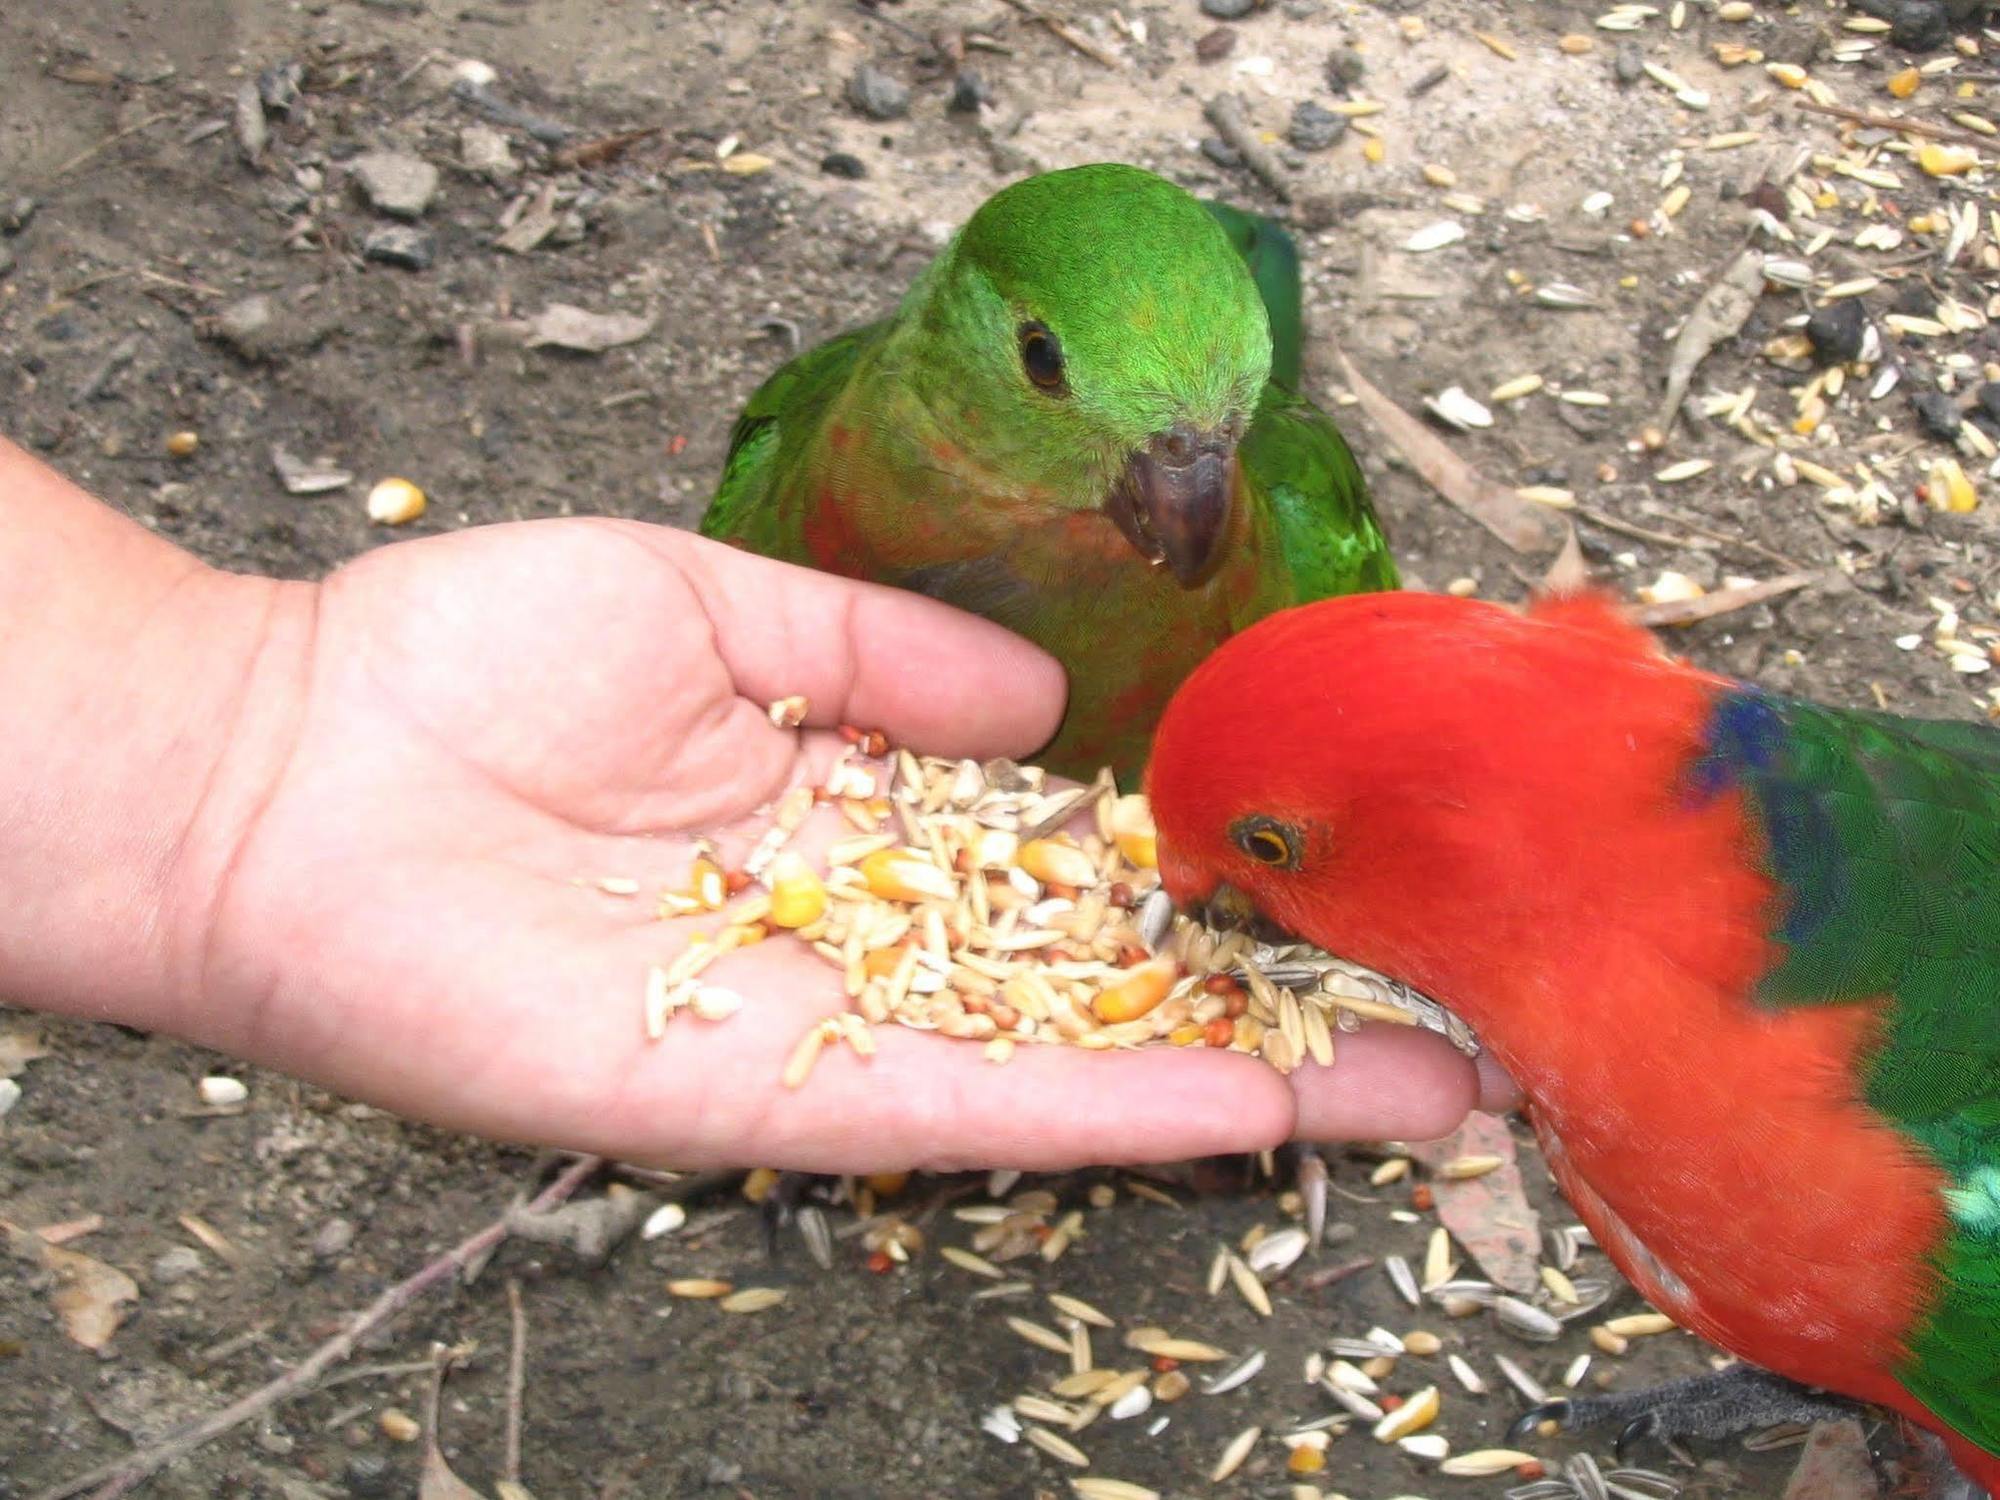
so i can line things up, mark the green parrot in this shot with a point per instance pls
(1081, 423)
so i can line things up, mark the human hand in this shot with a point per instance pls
(487, 723)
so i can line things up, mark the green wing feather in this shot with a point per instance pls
(780, 416)
(1885, 834)
(1327, 531)
(1273, 258)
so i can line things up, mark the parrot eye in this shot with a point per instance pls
(1267, 841)
(1041, 357)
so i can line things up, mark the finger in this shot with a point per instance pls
(1498, 1092)
(934, 678)
(1394, 1083)
(924, 1101)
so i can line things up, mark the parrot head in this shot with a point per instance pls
(1433, 787)
(1092, 334)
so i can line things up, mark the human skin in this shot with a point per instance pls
(351, 830)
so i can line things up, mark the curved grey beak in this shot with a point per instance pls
(1173, 501)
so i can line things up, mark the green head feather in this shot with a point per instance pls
(1156, 318)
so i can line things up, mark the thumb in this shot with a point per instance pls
(929, 676)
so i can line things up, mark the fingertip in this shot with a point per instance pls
(1386, 1083)
(1498, 1093)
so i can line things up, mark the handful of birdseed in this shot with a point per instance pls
(966, 902)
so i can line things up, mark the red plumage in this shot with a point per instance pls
(1492, 808)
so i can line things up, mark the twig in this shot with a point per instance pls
(1721, 602)
(517, 1380)
(94, 383)
(1226, 115)
(1096, 51)
(1894, 122)
(1639, 533)
(107, 143)
(121, 1475)
(1521, 524)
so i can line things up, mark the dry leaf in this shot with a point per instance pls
(88, 1294)
(439, 1483)
(1521, 524)
(19, 1048)
(1834, 1465)
(586, 332)
(212, 1237)
(1488, 1215)
(1720, 314)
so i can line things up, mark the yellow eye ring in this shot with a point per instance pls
(1268, 841)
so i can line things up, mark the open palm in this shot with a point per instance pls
(495, 720)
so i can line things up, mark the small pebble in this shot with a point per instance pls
(14, 216)
(484, 150)
(1937, 414)
(1987, 412)
(10, 1095)
(876, 94)
(175, 1265)
(1628, 63)
(400, 245)
(1221, 152)
(1314, 128)
(1920, 25)
(968, 92)
(1212, 46)
(1228, 10)
(1836, 331)
(1915, 300)
(1344, 67)
(841, 164)
(368, 1474)
(332, 1239)
(182, 444)
(395, 182)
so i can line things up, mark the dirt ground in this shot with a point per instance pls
(732, 227)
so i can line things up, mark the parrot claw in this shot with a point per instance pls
(1640, 1428)
(1734, 1400)
(1523, 1426)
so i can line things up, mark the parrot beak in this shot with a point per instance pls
(1229, 910)
(1174, 498)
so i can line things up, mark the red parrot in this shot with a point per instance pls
(1741, 953)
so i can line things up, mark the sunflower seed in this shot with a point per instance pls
(1425, 1445)
(1404, 1278)
(1242, 1372)
(1435, 236)
(1526, 1320)
(1582, 1472)
(1468, 1377)
(818, 1237)
(1354, 1401)
(1531, 1390)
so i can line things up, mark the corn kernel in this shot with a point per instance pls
(394, 502)
(183, 444)
(1950, 489)
(1132, 827)
(797, 894)
(900, 875)
(1142, 988)
(1940, 160)
(1905, 83)
(1060, 864)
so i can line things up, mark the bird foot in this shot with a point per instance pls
(1734, 1400)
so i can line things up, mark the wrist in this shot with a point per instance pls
(152, 700)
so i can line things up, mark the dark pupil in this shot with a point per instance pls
(1042, 357)
(1270, 848)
